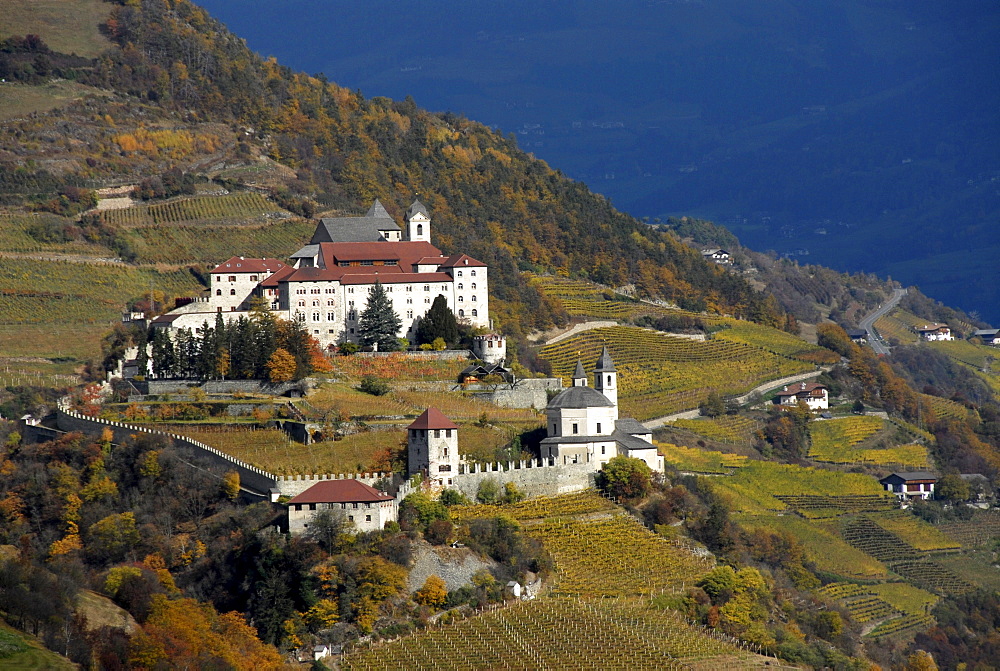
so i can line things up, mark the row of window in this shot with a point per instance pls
(576, 429)
(232, 278)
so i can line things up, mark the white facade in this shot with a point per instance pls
(432, 447)
(490, 347)
(935, 332)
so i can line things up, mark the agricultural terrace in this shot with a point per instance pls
(944, 408)
(891, 327)
(977, 356)
(902, 626)
(931, 575)
(36, 372)
(693, 460)
(398, 367)
(921, 535)
(558, 633)
(861, 602)
(28, 233)
(732, 429)
(660, 374)
(982, 529)
(615, 557)
(367, 451)
(585, 299)
(900, 596)
(758, 488)
(775, 341)
(854, 440)
(197, 243)
(823, 547)
(19, 651)
(233, 208)
(539, 507)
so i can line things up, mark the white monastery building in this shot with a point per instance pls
(583, 427)
(325, 284)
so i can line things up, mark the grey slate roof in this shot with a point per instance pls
(631, 426)
(604, 362)
(377, 210)
(309, 251)
(355, 229)
(912, 475)
(630, 442)
(580, 397)
(417, 206)
(579, 373)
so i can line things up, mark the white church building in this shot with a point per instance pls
(583, 427)
(325, 284)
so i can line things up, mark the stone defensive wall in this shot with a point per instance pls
(537, 477)
(253, 479)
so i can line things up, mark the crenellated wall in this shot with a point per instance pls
(534, 478)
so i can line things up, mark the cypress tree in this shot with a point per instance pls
(439, 322)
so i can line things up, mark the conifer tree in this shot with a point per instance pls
(439, 322)
(379, 323)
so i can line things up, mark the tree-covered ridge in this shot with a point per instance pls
(487, 197)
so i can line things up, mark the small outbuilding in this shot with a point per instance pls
(368, 508)
(988, 336)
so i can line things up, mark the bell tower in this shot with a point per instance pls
(606, 377)
(418, 223)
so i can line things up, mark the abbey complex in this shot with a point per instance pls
(326, 284)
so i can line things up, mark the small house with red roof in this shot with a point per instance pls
(366, 507)
(935, 332)
(815, 395)
(432, 447)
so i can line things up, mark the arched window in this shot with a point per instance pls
(473, 273)
(420, 229)
(218, 292)
(459, 273)
(461, 299)
(475, 313)
(609, 380)
(473, 285)
(473, 298)
(232, 292)
(461, 313)
(459, 286)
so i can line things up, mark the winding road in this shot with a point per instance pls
(868, 323)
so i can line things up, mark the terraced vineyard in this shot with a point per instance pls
(198, 243)
(539, 507)
(826, 549)
(905, 597)
(901, 606)
(16, 236)
(840, 441)
(891, 327)
(559, 633)
(733, 429)
(902, 625)
(239, 207)
(693, 460)
(660, 374)
(977, 356)
(872, 539)
(757, 486)
(982, 529)
(944, 408)
(932, 576)
(915, 532)
(773, 340)
(818, 506)
(615, 557)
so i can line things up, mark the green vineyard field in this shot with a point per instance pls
(242, 207)
(694, 460)
(733, 429)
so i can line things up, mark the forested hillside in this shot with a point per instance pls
(178, 75)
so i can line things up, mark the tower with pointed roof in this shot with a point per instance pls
(418, 223)
(606, 377)
(579, 375)
(432, 447)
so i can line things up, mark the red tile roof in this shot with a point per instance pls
(340, 491)
(368, 276)
(405, 253)
(457, 260)
(801, 388)
(278, 276)
(238, 264)
(432, 419)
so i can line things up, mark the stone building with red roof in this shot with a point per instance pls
(815, 395)
(432, 447)
(325, 284)
(366, 507)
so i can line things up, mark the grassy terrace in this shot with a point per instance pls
(659, 374)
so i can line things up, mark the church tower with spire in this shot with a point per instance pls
(418, 223)
(606, 377)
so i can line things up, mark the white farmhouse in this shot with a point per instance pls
(813, 394)
(935, 332)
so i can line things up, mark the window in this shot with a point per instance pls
(409, 314)
(420, 229)
(218, 278)
(330, 316)
(475, 313)
(315, 316)
(253, 278)
(473, 285)
(599, 430)
(368, 518)
(343, 264)
(459, 273)
(472, 272)
(232, 278)
(314, 291)
(437, 433)
(409, 301)
(555, 430)
(330, 302)
(459, 286)
(218, 292)
(315, 304)
(461, 299)
(368, 263)
(302, 304)
(350, 290)
(609, 380)
(328, 291)
(461, 313)
(447, 434)
(446, 451)
(473, 298)
(315, 331)
(427, 287)
(350, 303)
(427, 301)
(330, 331)
(300, 291)
(602, 447)
(232, 292)
(409, 287)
